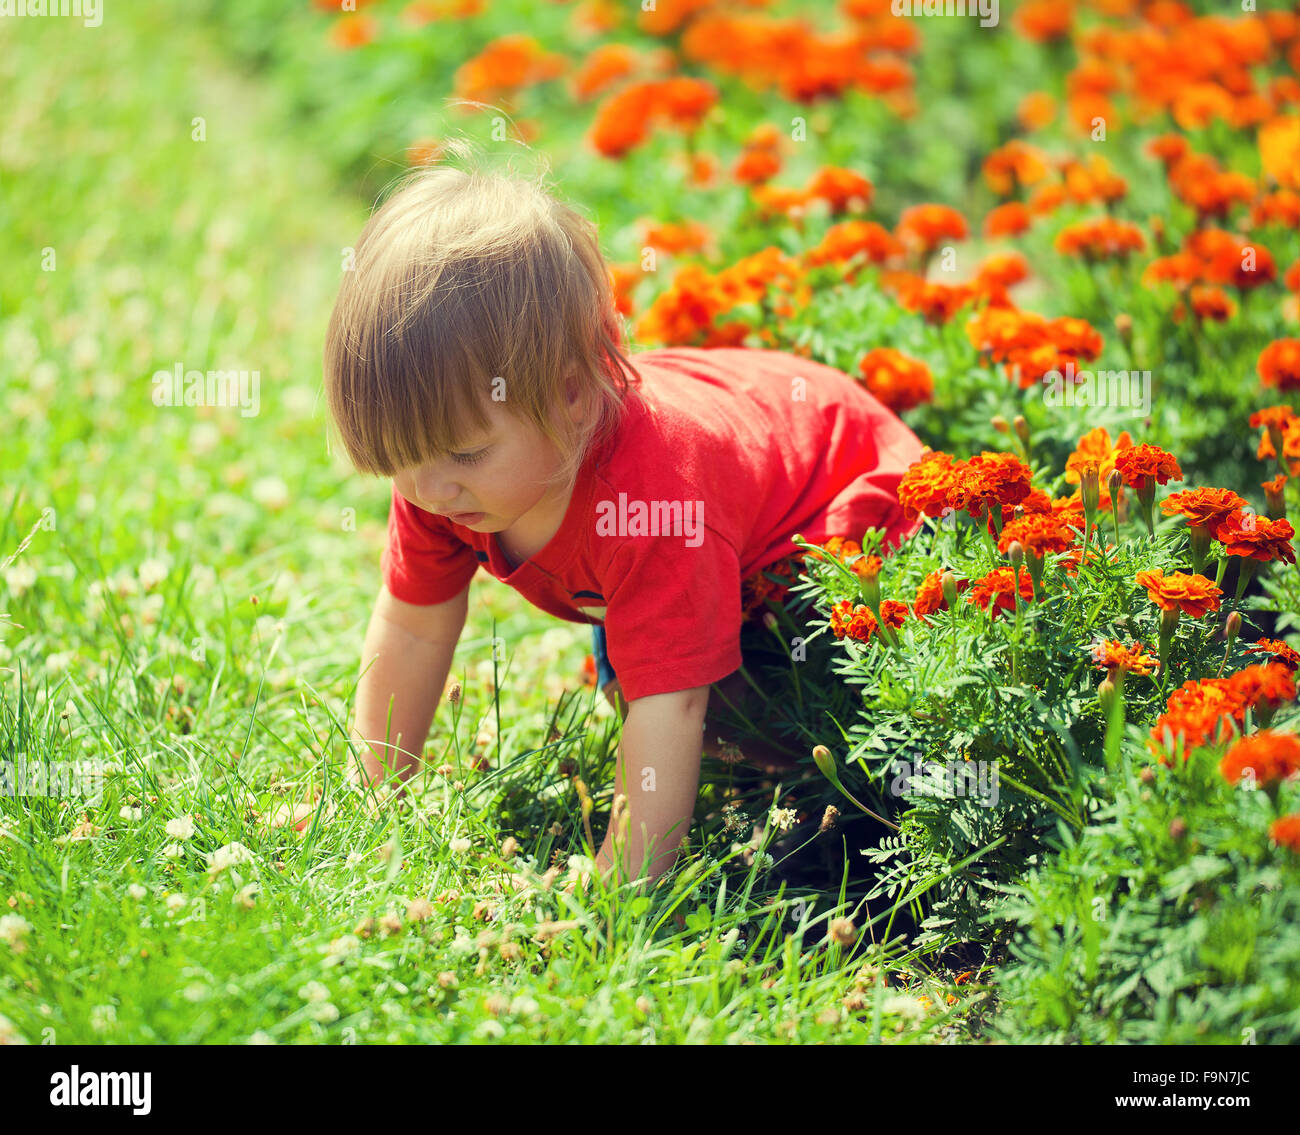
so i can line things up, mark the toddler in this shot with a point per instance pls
(474, 357)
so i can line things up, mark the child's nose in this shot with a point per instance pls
(436, 490)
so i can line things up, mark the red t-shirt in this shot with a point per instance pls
(733, 444)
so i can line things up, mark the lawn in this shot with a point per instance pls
(184, 588)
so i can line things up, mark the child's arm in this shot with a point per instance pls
(658, 770)
(412, 649)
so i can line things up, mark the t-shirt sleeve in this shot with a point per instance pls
(424, 562)
(672, 617)
(870, 500)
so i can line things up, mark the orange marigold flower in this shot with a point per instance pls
(840, 547)
(994, 592)
(1292, 277)
(1269, 684)
(1040, 534)
(755, 166)
(987, 479)
(1280, 208)
(1142, 462)
(1093, 180)
(355, 30)
(1010, 219)
(1004, 268)
(1210, 302)
(897, 380)
(1244, 533)
(1169, 148)
(1095, 447)
(842, 188)
(675, 239)
(849, 238)
(602, 68)
(1191, 594)
(1101, 238)
(1047, 199)
(1112, 656)
(1285, 831)
(925, 227)
(929, 596)
(857, 622)
(924, 487)
(1182, 269)
(1075, 338)
(1043, 20)
(1279, 364)
(1279, 416)
(1279, 149)
(1201, 712)
(1239, 264)
(622, 121)
(1036, 110)
(1285, 655)
(1271, 757)
(1203, 508)
(1013, 166)
(937, 302)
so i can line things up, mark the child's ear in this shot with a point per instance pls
(576, 404)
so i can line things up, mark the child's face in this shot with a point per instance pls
(491, 479)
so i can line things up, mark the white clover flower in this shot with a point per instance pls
(59, 661)
(323, 1011)
(314, 991)
(246, 896)
(270, 492)
(175, 902)
(491, 1029)
(783, 818)
(204, 438)
(228, 856)
(182, 827)
(459, 845)
(581, 863)
(524, 1006)
(462, 945)
(122, 585)
(20, 577)
(762, 860)
(13, 929)
(340, 948)
(260, 1037)
(173, 851)
(137, 892)
(130, 813)
(152, 573)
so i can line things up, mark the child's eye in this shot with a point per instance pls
(469, 458)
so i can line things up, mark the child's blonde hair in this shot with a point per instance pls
(458, 279)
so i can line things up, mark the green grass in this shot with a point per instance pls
(187, 616)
